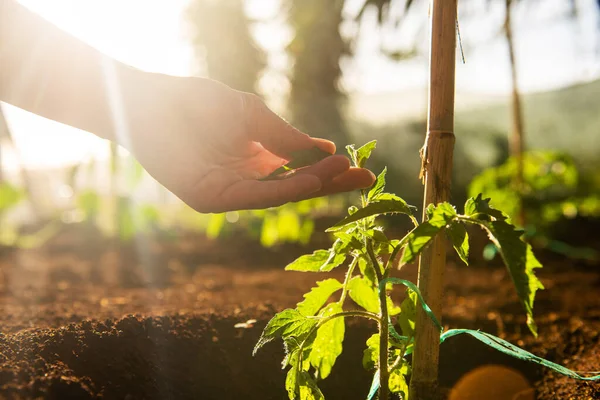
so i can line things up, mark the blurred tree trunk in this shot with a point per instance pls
(315, 101)
(516, 141)
(223, 42)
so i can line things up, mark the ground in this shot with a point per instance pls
(85, 317)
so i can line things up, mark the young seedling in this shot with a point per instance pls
(313, 332)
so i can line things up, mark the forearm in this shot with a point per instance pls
(46, 71)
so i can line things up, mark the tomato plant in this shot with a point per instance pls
(313, 332)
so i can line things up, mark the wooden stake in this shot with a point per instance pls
(436, 171)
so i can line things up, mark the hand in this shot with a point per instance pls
(209, 145)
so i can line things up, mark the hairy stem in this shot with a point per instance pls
(373, 257)
(383, 347)
(347, 280)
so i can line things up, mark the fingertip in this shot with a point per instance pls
(325, 145)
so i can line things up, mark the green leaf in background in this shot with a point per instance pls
(346, 242)
(318, 296)
(301, 386)
(9, 196)
(319, 261)
(269, 234)
(327, 345)
(422, 235)
(378, 186)
(397, 381)
(288, 323)
(520, 261)
(288, 226)
(216, 224)
(126, 228)
(408, 313)
(364, 294)
(460, 240)
(371, 353)
(381, 206)
(135, 173)
(88, 201)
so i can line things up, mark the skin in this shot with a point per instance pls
(204, 141)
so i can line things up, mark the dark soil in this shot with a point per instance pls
(87, 318)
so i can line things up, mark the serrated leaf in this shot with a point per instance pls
(301, 386)
(479, 208)
(371, 353)
(320, 260)
(422, 235)
(347, 241)
(367, 271)
(327, 345)
(364, 294)
(408, 314)
(460, 240)
(381, 206)
(363, 153)
(520, 261)
(397, 380)
(378, 186)
(288, 323)
(316, 298)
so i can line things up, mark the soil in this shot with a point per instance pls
(84, 317)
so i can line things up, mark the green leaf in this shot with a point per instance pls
(327, 345)
(89, 202)
(378, 186)
(364, 294)
(217, 222)
(367, 271)
(480, 208)
(408, 313)
(319, 261)
(288, 323)
(520, 261)
(422, 235)
(371, 354)
(9, 195)
(361, 155)
(460, 240)
(316, 298)
(301, 386)
(381, 206)
(397, 380)
(347, 241)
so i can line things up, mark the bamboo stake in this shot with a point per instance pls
(516, 138)
(436, 171)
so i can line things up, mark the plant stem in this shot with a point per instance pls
(437, 171)
(373, 257)
(347, 280)
(384, 372)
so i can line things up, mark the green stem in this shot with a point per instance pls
(373, 257)
(383, 347)
(347, 280)
(398, 359)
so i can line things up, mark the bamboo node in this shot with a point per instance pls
(424, 154)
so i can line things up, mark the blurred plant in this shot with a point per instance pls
(315, 101)
(222, 40)
(290, 223)
(551, 190)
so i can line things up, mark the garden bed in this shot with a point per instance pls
(172, 326)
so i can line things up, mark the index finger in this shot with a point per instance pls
(275, 134)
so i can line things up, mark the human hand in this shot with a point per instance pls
(210, 145)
